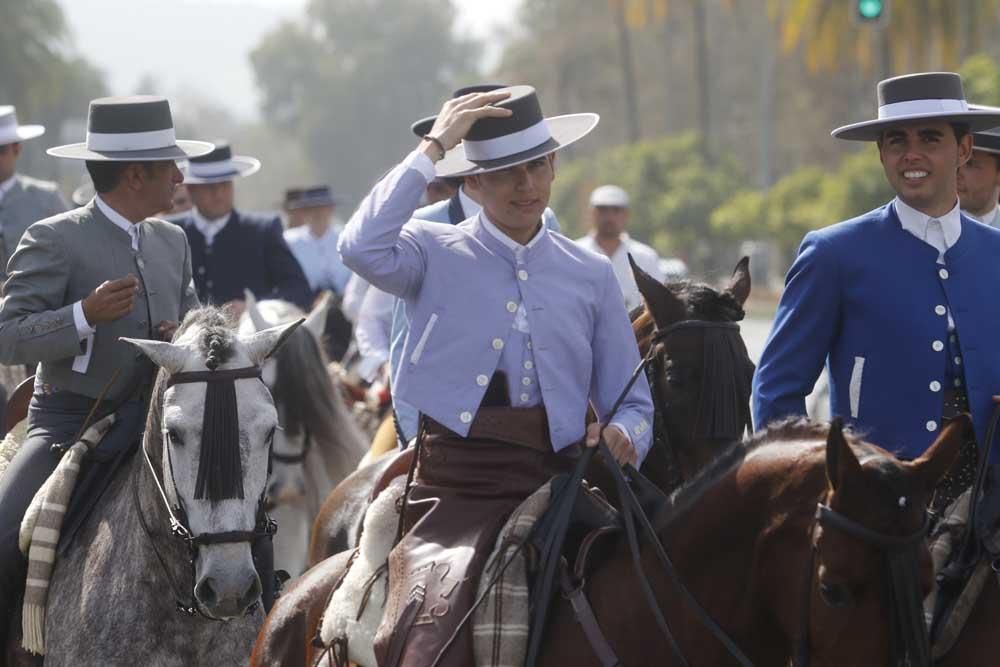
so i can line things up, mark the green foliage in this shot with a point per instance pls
(981, 80)
(673, 191)
(40, 75)
(804, 200)
(346, 83)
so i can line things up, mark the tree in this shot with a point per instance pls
(347, 83)
(40, 74)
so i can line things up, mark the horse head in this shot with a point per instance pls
(700, 371)
(871, 565)
(208, 439)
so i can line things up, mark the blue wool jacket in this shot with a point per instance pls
(865, 297)
(248, 253)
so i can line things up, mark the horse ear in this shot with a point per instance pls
(739, 284)
(660, 301)
(167, 356)
(316, 320)
(251, 309)
(932, 465)
(263, 344)
(841, 463)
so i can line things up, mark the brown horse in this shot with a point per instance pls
(745, 540)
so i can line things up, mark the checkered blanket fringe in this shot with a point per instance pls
(500, 625)
(40, 530)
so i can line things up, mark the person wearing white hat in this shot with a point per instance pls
(79, 282)
(979, 179)
(898, 302)
(609, 211)
(233, 251)
(23, 200)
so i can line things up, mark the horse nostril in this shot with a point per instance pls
(251, 594)
(205, 593)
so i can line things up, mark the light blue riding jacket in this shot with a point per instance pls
(457, 282)
(449, 212)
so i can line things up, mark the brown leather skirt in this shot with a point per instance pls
(464, 490)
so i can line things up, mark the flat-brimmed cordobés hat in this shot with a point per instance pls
(11, 132)
(131, 129)
(219, 166)
(424, 125)
(497, 143)
(987, 141)
(914, 97)
(320, 195)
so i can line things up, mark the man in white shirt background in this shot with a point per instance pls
(979, 179)
(609, 210)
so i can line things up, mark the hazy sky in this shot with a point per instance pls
(200, 47)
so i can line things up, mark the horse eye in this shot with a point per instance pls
(837, 596)
(174, 438)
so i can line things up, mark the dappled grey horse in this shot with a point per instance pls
(318, 442)
(167, 576)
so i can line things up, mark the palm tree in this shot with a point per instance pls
(628, 70)
(931, 34)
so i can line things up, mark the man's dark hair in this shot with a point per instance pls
(106, 175)
(960, 130)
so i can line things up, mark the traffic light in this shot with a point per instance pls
(871, 11)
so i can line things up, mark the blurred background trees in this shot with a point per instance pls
(715, 113)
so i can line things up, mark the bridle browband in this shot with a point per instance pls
(660, 334)
(179, 528)
(908, 631)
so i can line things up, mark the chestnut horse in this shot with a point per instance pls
(745, 540)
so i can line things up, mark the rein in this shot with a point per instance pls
(179, 526)
(631, 511)
(907, 629)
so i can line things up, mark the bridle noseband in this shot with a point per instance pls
(179, 526)
(908, 632)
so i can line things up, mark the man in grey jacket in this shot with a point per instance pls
(78, 282)
(23, 200)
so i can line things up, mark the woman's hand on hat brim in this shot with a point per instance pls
(457, 117)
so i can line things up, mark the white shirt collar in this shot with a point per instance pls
(119, 220)
(516, 247)
(470, 206)
(5, 186)
(209, 228)
(988, 219)
(623, 244)
(918, 224)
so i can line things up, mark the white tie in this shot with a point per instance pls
(935, 237)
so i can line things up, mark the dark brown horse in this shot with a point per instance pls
(742, 536)
(978, 644)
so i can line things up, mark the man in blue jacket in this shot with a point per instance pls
(233, 251)
(900, 303)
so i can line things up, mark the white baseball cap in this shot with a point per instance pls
(609, 195)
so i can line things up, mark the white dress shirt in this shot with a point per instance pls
(209, 228)
(372, 332)
(644, 256)
(989, 219)
(318, 257)
(939, 233)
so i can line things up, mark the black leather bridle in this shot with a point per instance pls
(908, 641)
(179, 526)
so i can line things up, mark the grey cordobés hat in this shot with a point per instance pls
(138, 128)
(219, 166)
(497, 143)
(923, 96)
(986, 140)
